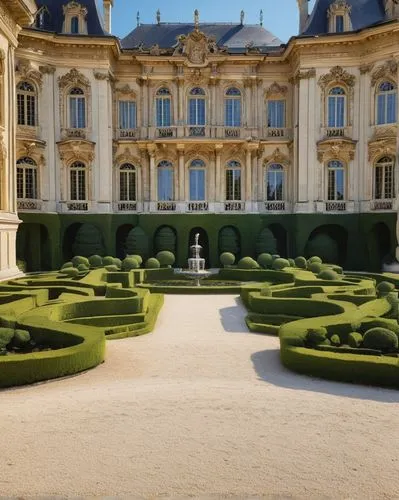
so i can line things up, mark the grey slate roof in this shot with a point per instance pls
(53, 21)
(364, 13)
(233, 36)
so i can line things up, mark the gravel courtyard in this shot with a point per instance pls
(201, 407)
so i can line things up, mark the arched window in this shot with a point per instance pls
(75, 25)
(163, 108)
(339, 24)
(232, 107)
(384, 178)
(386, 103)
(78, 181)
(27, 179)
(274, 182)
(197, 180)
(127, 182)
(127, 115)
(26, 104)
(165, 181)
(336, 111)
(196, 107)
(77, 108)
(336, 181)
(233, 181)
(276, 113)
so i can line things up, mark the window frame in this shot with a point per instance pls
(275, 100)
(163, 94)
(23, 165)
(77, 167)
(24, 95)
(267, 171)
(70, 99)
(127, 170)
(196, 96)
(379, 93)
(335, 98)
(197, 165)
(329, 189)
(166, 165)
(128, 102)
(230, 194)
(233, 98)
(380, 165)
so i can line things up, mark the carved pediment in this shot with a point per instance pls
(126, 91)
(25, 71)
(336, 149)
(196, 46)
(74, 77)
(278, 157)
(32, 149)
(126, 156)
(76, 150)
(276, 90)
(382, 147)
(339, 75)
(388, 70)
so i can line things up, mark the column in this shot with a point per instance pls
(218, 173)
(153, 176)
(248, 177)
(303, 130)
(181, 177)
(247, 118)
(210, 180)
(260, 178)
(10, 204)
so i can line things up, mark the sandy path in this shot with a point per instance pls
(200, 407)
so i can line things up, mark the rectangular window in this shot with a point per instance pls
(20, 183)
(163, 115)
(274, 188)
(339, 24)
(196, 112)
(30, 105)
(336, 180)
(77, 111)
(197, 185)
(276, 113)
(232, 113)
(30, 183)
(336, 111)
(165, 184)
(78, 185)
(127, 182)
(233, 185)
(127, 114)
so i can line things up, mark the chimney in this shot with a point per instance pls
(303, 14)
(108, 4)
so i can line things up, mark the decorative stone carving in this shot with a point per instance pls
(388, 70)
(197, 77)
(126, 91)
(47, 70)
(234, 152)
(336, 149)
(385, 131)
(278, 157)
(74, 77)
(196, 46)
(126, 156)
(2, 64)
(303, 74)
(338, 7)
(25, 71)
(276, 90)
(100, 76)
(34, 150)
(204, 151)
(337, 74)
(366, 68)
(72, 150)
(382, 147)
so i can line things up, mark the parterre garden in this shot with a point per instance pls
(331, 324)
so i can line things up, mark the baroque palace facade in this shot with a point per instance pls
(205, 127)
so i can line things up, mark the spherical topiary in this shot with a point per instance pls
(301, 262)
(275, 256)
(328, 275)
(78, 259)
(266, 292)
(315, 267)
(381, 338)
(384, 288)
(291, 262)
(129, 263)
(265, 260)
(137, 257)
(355, 339)
(316, 336)
(21, 338)
(112, 268)
(72, 272)
(166, 258)
(335, 340)
(279, 264)
(315, 259)
(66, 265)
(95, 261)
(6, 335)
(152, 263)
(117, 262)
(83, 268)
(108, 260)
(247, 263)
(227, 259)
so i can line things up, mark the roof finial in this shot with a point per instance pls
(158, 17)
(138, 18)
(196, 18)
(242, 15)
(261, 17)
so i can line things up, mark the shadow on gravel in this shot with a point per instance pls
(233, 318)
(269, 369)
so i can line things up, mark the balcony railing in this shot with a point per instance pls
(28, 131)
(77, 206)
(275, 206)
(277, 133)
(197, 206)
(196, 131)
(165, 132)
(234, 206)
(335, 132)
(128, 133)
(27, 204)
(166, 206)
(127, 206)
(335, 206)
(232, 132)
(382, 205)
(70, 133)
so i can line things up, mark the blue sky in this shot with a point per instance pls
(280, 17)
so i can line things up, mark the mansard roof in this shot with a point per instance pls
(54, 20)
(364, 13)
(235, 37)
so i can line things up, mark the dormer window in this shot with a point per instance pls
(339, 19)
(42, 17)
(75, 18)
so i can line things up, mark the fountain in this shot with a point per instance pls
(196, 264)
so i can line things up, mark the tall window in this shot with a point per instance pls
(26, 179)
(163, 108)
(386, 103)
(274, 182)
(77, 108)
(384, 180)
(165, 181)
(336, 180)
(127, 114)
(26, 104)
(127, 182)
(276, 113)
(196, 107)
(197, 180)
(336, 107)
(78, 181)
(75, 25)
(339, 24)
(232, 108)
(233, 181)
